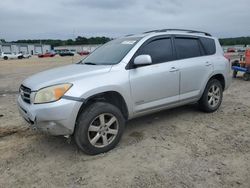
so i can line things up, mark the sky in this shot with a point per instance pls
(67, 19)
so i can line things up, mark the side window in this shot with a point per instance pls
(160, 50)
(209, 45)
(187, 48)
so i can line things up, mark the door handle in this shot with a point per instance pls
(173, 69)
(208, 64)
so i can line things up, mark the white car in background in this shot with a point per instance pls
(26, 55)
(8, 55)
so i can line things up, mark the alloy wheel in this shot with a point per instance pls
(214, 96)
(103, 130)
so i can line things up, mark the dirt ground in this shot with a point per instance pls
(182, 147)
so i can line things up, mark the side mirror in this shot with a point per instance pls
(143, 60)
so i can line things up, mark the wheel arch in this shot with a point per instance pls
(112, 97)
(217, 76)
(220, 77)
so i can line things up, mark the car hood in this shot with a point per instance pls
(65, 74)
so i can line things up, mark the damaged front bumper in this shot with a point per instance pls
(56, 118)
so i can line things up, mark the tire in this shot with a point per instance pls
(212, 96)
(246, 76)
(5, 58)
(90, 133)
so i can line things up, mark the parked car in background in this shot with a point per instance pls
(241, 50)
(73, 51)
(231, 50)
(8, 55)
(66, 53)
(26, 55)
(124, 79)
(47, 54)
(82, 53)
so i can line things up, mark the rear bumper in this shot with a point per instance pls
(56, 118)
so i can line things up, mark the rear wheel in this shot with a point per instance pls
(99, 128)
(5, 58)
(212, 96)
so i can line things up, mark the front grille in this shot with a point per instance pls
(25, 93)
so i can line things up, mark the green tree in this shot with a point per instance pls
(235, 41)
(2, 41)
(81, 40)
(56, 42)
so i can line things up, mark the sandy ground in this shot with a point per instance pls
(182, 147)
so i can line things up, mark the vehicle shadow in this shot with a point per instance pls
(142, 127)
(163, 115)
(134, 130)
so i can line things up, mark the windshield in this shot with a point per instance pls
(112, 52)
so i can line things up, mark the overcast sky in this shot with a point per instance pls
(63, 19)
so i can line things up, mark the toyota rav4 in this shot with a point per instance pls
(125, 78)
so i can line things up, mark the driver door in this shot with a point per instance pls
(156, 85)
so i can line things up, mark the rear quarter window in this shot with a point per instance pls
(208, 45)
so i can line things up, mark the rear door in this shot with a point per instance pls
(154, 86)
(195, 66)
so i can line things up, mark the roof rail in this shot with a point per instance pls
(185, 30)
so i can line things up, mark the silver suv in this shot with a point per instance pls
(123, 79)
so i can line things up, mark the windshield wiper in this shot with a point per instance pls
(89, 63)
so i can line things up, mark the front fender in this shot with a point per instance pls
(124, 92)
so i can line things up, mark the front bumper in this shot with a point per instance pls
(56, 118)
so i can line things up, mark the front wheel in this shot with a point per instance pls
(212, 96)
(99, 128)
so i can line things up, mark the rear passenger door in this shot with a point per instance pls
(195, 67)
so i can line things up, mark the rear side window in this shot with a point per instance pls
(187, 48)
(209, 45)
(160, 50)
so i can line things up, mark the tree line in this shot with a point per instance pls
(57, 42)
(101, 40)
(235, 41)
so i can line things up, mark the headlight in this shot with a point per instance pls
(51, 93)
